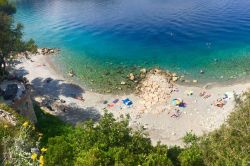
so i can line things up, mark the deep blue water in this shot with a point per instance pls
(179, 35)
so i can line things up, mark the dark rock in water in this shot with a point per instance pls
(133, 67)
(107, 73)
(10, 92)
(120, 71)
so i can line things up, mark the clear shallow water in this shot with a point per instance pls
(104, 40)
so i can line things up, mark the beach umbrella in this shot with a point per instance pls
(177, 101)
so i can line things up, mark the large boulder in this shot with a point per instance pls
(10, 92)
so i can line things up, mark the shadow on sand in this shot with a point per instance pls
(75, 114)
(71, 112)
(53, 90)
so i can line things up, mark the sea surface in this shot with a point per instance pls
(104, 40)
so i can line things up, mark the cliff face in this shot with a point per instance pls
(24, 106)
(21, 102)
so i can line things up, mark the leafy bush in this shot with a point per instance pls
(17, 145)
(109, 142)
(230, 145)
(191, 156)
(50, 125)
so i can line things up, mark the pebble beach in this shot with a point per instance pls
(154, 106)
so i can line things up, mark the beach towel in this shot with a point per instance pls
(127, 102)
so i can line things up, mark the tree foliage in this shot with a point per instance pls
(109, 142)
(11, 35)
(230, 145)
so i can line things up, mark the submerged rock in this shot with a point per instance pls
(71, 73)
(123, 83)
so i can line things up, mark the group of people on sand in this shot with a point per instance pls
(219, 102)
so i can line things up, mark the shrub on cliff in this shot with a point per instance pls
(16, 145)
(191, 155)
(230, 145)
(109, 142)
(17, 139)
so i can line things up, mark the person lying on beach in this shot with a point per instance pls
(205, 94)
(176, 114)
(80, 98)
(219, 103)
(40, 65)
(202, 93)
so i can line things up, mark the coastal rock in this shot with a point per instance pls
(131, 77)
(155, 88)
(47, 51)
(195, 81)
(39, 51)
(7, 117)
(143, 71)
(10, 91)
(174, 78)
(71, 73)
(156, 71)
(142, 75)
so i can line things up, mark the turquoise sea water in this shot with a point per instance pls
(104, 40)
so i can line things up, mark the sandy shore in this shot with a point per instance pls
(199, 114)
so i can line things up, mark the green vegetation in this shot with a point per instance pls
(11, 36)
(112, 142)
(50, 125)
(230, 145)
(16, 141)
